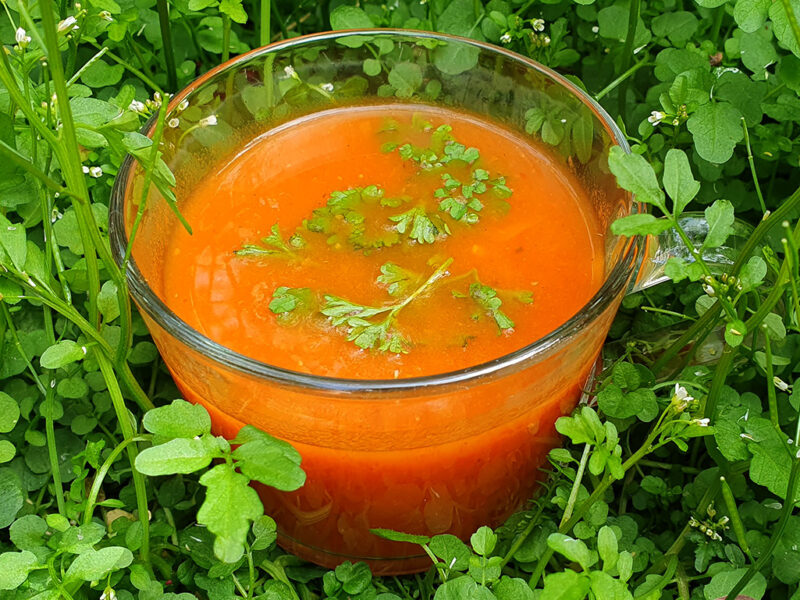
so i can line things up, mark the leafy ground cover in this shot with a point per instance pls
(679, 480)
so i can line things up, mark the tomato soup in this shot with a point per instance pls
(390, 242)
(522, 240)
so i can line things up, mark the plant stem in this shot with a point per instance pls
(753, 167)
(103, 471)
(226, 38)
(627, 51)
(264, 26)
(611, 86)
(736, 520)
(576, 485)
(126, 427)
(772, 399)
(166, 43)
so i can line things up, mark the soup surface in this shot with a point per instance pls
(384, 242)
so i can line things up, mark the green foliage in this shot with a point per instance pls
(699, 380)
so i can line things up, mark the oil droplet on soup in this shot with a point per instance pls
(381, 242)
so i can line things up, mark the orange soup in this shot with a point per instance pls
(389, 242)
(383, 242)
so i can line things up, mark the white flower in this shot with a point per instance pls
(701, 422)
(289, 70)
(173, 122)
(656, 117)
(538, 24)
(137, 107)
(85, 169)
(780, 384)
(506, 38)
(183, 105)
(95, 172)
(106, 16)
(67, 25)
(595, 29)
(681, 393)
(326, 87)
(546, 40)
(209, 120)
(22, 37)
(108, 594)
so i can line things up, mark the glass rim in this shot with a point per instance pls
(157, 309)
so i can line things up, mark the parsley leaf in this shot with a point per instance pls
(274, 245)
(419, 225)
(487, 299)
(383, 334)
(396, 278)
(286, 301)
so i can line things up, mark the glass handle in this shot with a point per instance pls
(659, 249)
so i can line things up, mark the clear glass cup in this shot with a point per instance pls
(446, 453)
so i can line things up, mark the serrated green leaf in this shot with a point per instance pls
(716, 128)
(180, 419)
(750, 14)
(640, 224)
(572, 549)
(93, 565)
(180, 455)
(720, 218)
(635, 174)
(406, 78)
(13, 243)
(679, 181)
(566, 585)
(14, 568)
(62, 354)
(268, 460)
(229, 508)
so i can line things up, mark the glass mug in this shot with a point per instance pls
(445, 453)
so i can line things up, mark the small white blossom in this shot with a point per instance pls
(68, 24)
(676, 121)
(289, 70)
(137, 107)
(209, 120)
(780, 384)
(506, 38)
(174, 122)
(108, 594)
(538, 24)
(183, 105)
(95, 172)
(656, 117)
(701, 422)
(709, 290)
(546, 40)
(22, 38)
(106, 16)
(682, 394)
(85, 169)
(326, 87)
(157, 99)
(595, 29)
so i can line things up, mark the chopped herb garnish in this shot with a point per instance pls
(420, 226)
(365, 218)
(396, 278)
(291, 303)
(367, 332)
(488, 300)
(273, 245)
